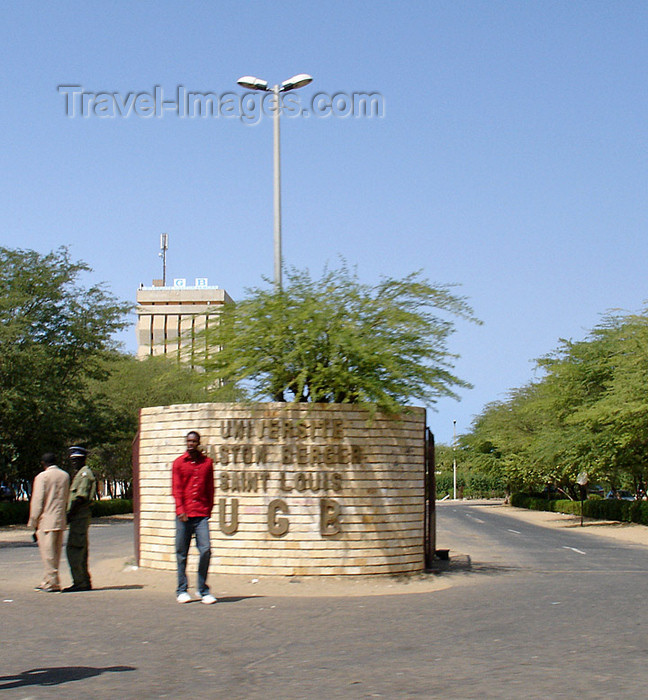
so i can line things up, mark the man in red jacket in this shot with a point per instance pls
(193, 491)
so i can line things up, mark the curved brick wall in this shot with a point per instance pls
(300, 489)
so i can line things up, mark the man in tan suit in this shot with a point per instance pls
(47, 517)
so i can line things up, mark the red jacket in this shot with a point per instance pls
(193, 485)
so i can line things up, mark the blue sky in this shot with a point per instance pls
(511, 158)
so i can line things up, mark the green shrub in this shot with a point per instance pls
(470, 485)
(601, 509)
(17, 513)
(519, 500)
(444, 484)
(116, 506)
(14, 513)
(484, 486)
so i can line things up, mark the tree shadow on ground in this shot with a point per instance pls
(463, 564)
(57, 675)
(612, 524)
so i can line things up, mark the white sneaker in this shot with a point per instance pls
(183, 597)
(209, 599)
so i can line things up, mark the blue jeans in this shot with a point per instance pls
(184, 532)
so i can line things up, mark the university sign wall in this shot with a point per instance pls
(300, 489)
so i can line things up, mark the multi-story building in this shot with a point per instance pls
(170, 319)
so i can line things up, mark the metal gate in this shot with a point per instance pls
(429, 530)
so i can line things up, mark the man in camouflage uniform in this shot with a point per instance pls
(82, 492)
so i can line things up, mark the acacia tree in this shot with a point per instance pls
(589, 412)
(614, 419)
(336, 339)
(110, 406)
(54, 332)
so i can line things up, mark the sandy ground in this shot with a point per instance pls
(121, 572)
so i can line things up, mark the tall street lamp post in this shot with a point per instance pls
(252, 83)
(454, 460)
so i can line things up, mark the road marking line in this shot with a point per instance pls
(517, 532)
(472, 517)
(573, 549)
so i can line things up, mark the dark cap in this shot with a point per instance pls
(77, 452)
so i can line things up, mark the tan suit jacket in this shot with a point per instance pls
(49, 500)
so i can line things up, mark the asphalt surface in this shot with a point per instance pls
(528, 612)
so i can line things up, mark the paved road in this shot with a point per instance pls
(494, 538)
(111, 538)
(535, 613)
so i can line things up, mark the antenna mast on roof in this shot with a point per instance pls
(164, 246)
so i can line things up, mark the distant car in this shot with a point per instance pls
(621, 495)
(7, 493)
